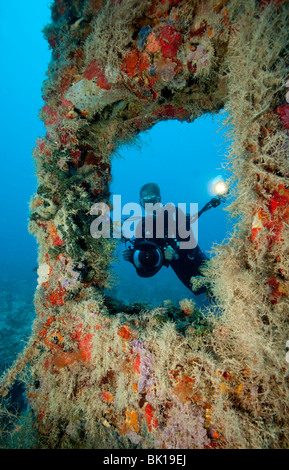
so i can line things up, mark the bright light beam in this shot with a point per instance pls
(220, 188)
(217, 186)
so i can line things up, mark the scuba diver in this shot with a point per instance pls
(149, 252)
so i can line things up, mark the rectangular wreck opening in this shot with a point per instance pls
(184, 160)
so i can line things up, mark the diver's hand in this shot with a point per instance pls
(127, 255)
(170, 253)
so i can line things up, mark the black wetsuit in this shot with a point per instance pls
(189, 259)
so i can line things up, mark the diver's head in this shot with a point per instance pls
(150, 193)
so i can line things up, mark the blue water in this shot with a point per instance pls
(24, 60)
(181, 158)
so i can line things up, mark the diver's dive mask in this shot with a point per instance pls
(151, 199)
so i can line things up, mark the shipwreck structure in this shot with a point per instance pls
(103, 376)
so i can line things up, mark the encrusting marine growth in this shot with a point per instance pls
(104, 375)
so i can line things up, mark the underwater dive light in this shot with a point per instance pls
(220, 188)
